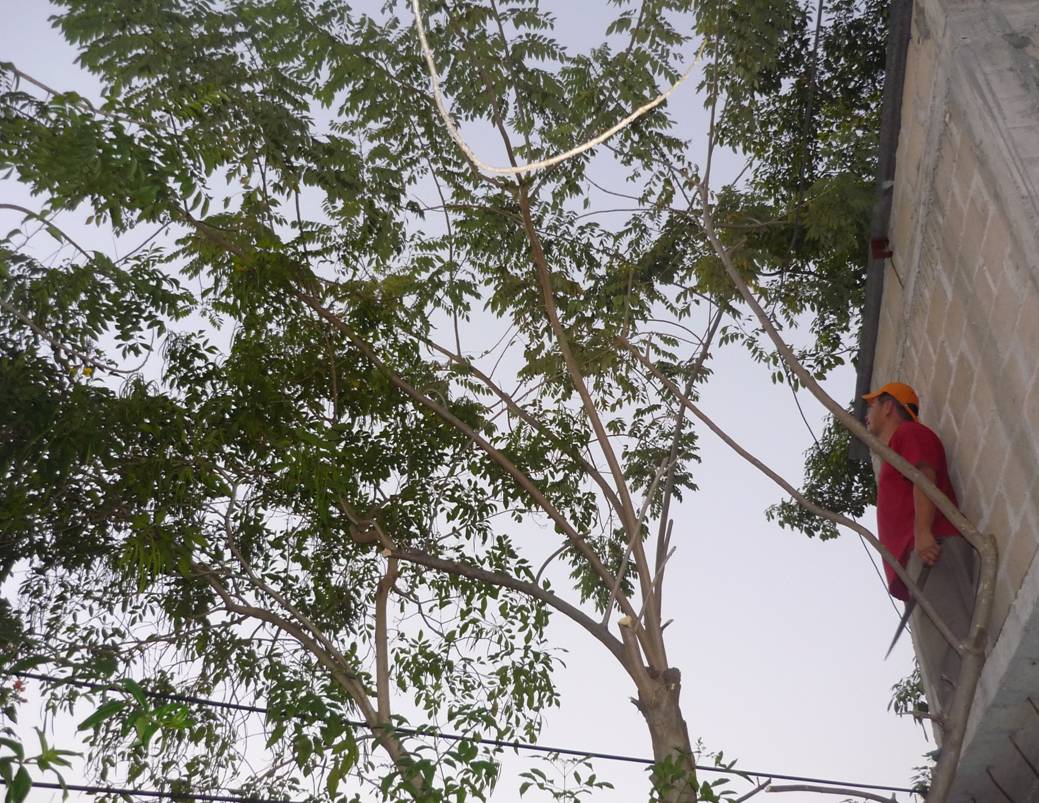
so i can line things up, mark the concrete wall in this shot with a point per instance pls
(960, 311)
(960, 314)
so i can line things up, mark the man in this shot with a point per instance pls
(919, 535)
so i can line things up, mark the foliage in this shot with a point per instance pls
(239, 460)
(908, 699)
(568, 780)
(15, 761)
(832, 481)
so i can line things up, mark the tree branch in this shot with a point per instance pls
(49, 225)
(382, 645)
(973, 651)
(493, 453)
(530, 589)
(61, 348)
(836, 518)
(533, 167)
(343, 676)
(593, 473)
(663, 534)
(889, 455)
(833, 790)
(655, 651)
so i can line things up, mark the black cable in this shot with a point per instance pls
(113, 790)
(563, 751)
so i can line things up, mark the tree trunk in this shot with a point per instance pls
(674, 774)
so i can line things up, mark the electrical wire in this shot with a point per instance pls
(152, 793)
(432, 732)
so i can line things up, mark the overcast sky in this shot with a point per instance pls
(780, 639)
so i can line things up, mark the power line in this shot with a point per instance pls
(456, 737)
(113, 790)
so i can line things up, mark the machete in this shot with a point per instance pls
(910, 607)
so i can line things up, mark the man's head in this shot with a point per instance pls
(890, 405)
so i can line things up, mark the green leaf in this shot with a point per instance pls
(105, 712)
(20, 786)
(135, 690)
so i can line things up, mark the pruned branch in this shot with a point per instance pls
(834, 790)
(533, 167)
(759, 788)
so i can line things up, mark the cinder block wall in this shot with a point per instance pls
(960, 311)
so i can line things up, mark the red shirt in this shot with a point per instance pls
(895, 509)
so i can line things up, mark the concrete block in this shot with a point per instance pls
(1007, 303)
(1030, 166)
(1002, 599)
(1026, 143)
(977, 496)
(972, 233)
(934, 401)
(955, 323)
(1026, 340)
(904, 218)
(993, 448)
(965, 171)
(937, 305)
(983, 290)
(996, 243)
(1005, 514)
(951, 209)
(945, 165)
(1019, 555)
(960, 392)
(888, 337)
(1015, 482)
(949, 427)
(909, 158)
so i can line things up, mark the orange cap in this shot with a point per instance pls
(900, 391)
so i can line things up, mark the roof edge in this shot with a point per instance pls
(900, 25)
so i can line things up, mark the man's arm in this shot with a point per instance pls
(925, 544)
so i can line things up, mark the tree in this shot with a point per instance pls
(299, 493)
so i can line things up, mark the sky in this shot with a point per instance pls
(780, 639)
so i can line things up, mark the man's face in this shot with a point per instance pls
(874, 416)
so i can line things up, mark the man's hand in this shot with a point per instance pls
(927, 547)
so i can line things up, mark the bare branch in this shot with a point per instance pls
(663, 534)
(48, 225)
(889, 455)
(40, 85)
(834, 790)
(334, 664)
(533, 167)
(636, 534)
(759, 788)
(973, 649)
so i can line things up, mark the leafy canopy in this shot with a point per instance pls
(212, 439)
